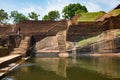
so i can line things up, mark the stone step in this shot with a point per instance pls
(23, 45)
(24, 42)
(16, 49)
(22, 49)
(4, 61)
(27, 37)
(18, 52)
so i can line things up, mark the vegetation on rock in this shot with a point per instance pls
(88, 41)
(118, 33)
(90, 16)
(115, 12)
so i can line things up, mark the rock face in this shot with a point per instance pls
(54, 35)
(54, 43)
(84, 30)
(48, 43)
(61, 38)
(105, 43)
(4, 52)
(108, 42)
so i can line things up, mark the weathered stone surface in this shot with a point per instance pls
(51, 28)
(75, 32)
(65, 54)
(84, 30)
(5, 61)
(48, 43)
(4, 52)
(108, 42)
(23, 48)
(61, 38)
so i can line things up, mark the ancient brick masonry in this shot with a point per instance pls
(41, 29)
(83, 30)
(5, 29)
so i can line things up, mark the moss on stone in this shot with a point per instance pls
(118, 33)
(86, 42)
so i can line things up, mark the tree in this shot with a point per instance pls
(3, 16)
(45, 18)
(33, 15)
(52, 15)
(17, 17)
(70, 10)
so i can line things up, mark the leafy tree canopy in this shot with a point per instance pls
(33, 15)
(70, 10)
(3, 16)
(45, 17)
(17, 17)
(52, 15)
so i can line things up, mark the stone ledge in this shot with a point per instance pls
(4, 61)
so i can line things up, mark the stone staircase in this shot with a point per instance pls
(61, 37)
(23, 47)
(11, 61)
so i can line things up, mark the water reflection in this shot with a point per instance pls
(7, 78)
(74, 68)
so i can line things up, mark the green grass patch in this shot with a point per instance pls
(86, 42)
(90, 16)
(115, 12)
(118, 33)
(3, 47)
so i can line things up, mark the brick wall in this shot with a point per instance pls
(84, 30)
(5, 29)
(30, 27)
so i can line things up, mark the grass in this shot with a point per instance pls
(2, 47)
(90, 16)
(115, 12)
(118, 33)
(87, 41)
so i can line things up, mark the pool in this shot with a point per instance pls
(73, 68)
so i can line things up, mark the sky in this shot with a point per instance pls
(42, 7)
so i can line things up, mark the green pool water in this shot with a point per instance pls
(74, 68)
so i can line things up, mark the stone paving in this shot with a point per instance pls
(7, 58)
